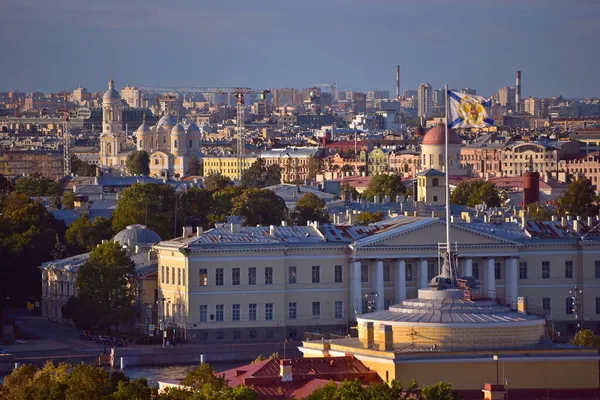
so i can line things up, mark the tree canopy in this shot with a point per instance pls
(36, 185)
(315, 167)
(138, 162)
(215, 182)
(383, 185)
(259, 207)
(382, 391)
(474, 192)
(350, 188)
(81, 168)
(84, 235)
(259, 175)
(367, 218)
(578, 200)
(537, 212)
(194, 166)
(309, 208)
(586, 338)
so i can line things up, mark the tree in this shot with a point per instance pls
(309, 208)
(215, 182)
(68, 200)
(347, 168)
(138, 163)
(259, 207)
(315, 167)
(474, 192)
(260, 175)
(148, 204)
(586, 338)
(367, 218)
(350, 188)
(84, 235)
(194, 166)
(384, 185)
(104, 284)
(6, 187)
(81, 168)
(133, 390)
(536, 212)
(204, 375)
(36, 185)
(88, 382)
(578, 200)
(222, 202)
(195, 205)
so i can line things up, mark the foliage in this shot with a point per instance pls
(138, 163)
(586, 338)
(382, 391)
(474, 192)
(536, 212)
(68, 201)
(36, 185)
(81, 168)
(384, 185)
(194, 207)
(215, 182)
(309, 208)
(347, 168)
(148, 204)
(315, 166)
(133, 390)
(260, 175)
(195, 166)
(350, 188)
(222, 202)
(578, 200)
(367, 218)
(259, 207)
(204, 375)
(83, 234)
(104, 284)
(6, 188)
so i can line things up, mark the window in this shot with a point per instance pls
(339, 309)
(435, 182)
(269, 311)
(252, 276)
(175, 143)
(364, 273)
(173, 275)
(268, 275)
(252, 334)
(430, 271)
(475, 270)
(203, 275)
(546, 305)
(523, 270)
(545, 269)
(220, 312)
(235, 312)
(316, 309)
(183, 276)
(219, 276)
(569, 305)
(569, 269)
(387, 273)
(251, 312)
(203, 313)
(167, 274)
(316, 274)
(220, 335)
(435, 198)
(269, 333)
(162, 273)
(237, 334)
(291, 310)
(338, 274)
(497, 271)
(597, 269)
(191, 143)
(292, 275)
(204, 335)
(409, 272)
(235, 276)
(179, 276)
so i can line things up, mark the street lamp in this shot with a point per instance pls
(161, 301)
(496, 358)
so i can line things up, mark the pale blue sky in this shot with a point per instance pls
(50, 45)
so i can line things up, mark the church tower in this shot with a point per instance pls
(112, 138)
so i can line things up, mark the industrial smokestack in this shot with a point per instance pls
(518, 93)
(397, 81)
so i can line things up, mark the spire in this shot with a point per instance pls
(111, 83)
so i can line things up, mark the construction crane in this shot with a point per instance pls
(66, 136)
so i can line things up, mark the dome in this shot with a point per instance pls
(143, 128)
(193, 128)
(134, 235)
(436, 135)
(111, 94)
(178, 130)
(167, 120)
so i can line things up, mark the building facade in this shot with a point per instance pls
(425, 100)
(227, 165)
(543, 155)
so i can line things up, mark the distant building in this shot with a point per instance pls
(294, 161)
(536, 107)
(542, 155)
(378, 94)
(225, 165)
(81, 95)
(49, 163)
(425, 104)
(469, 91)
(506, 97)
(132, 96)
(360, 102)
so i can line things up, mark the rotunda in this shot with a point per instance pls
(432, 150)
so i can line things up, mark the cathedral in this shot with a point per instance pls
(169, 143)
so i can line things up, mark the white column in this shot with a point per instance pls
(400, 284)
(490, 278)
(511, 280)
(378, 285)
(467, 267)
(356, 296)
(423, 281)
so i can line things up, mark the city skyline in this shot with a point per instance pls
(264, 44)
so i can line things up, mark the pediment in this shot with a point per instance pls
(430, 233)
(159, 154)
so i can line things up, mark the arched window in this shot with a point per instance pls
(141, 144)
(164, 139)
(441, 159)
(435, 182)
(175, 143)
(430, 160)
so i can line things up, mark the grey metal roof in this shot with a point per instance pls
(431, 172)
(258, 234)
(290, 152)
(290, 192)
(136, 234)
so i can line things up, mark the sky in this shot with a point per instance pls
(61, 44)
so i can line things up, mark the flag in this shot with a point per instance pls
(468, 111)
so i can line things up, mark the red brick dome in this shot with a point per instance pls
(436, 135)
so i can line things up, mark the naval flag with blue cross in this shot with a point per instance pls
(468, 111)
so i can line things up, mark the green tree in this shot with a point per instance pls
(104, 286)
(384, 185)
(259, 207)
(6, 188)
(536, 212)
(195, 206)
(347, 168)
(309, 208)
(88, 382)
(578, 200)
(215, 182)
(148, 204)
(367, 218)
(586, 338)
(84, 235)
(68, 201)
(195, 166)
(350, 188)
(222, 202)
(439, 391)
(315, 166)
(138, 163)
(36, 185)
(81, 168)
(258, 176)
(204, 375)
(474, 192)
(133, 390)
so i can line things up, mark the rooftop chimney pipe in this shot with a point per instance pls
(518, 93)
(397, 81)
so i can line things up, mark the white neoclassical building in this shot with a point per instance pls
(252, 283)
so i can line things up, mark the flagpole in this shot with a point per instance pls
(447, 165)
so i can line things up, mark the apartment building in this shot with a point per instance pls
(542, 155)
(225, 165)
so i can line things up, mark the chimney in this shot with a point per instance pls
(523, 222)
(522, 305)
(198, 230)
(376, 199)
(518, 93)
(283, 223)
(367, 337)
(385, 341)
(234, 227)
(576, 226)
(285, 370)
(272, 230)
(187, 231)
(397, 81)
(386, 199)
(589, 222)
(493, 392)
(485, 218)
